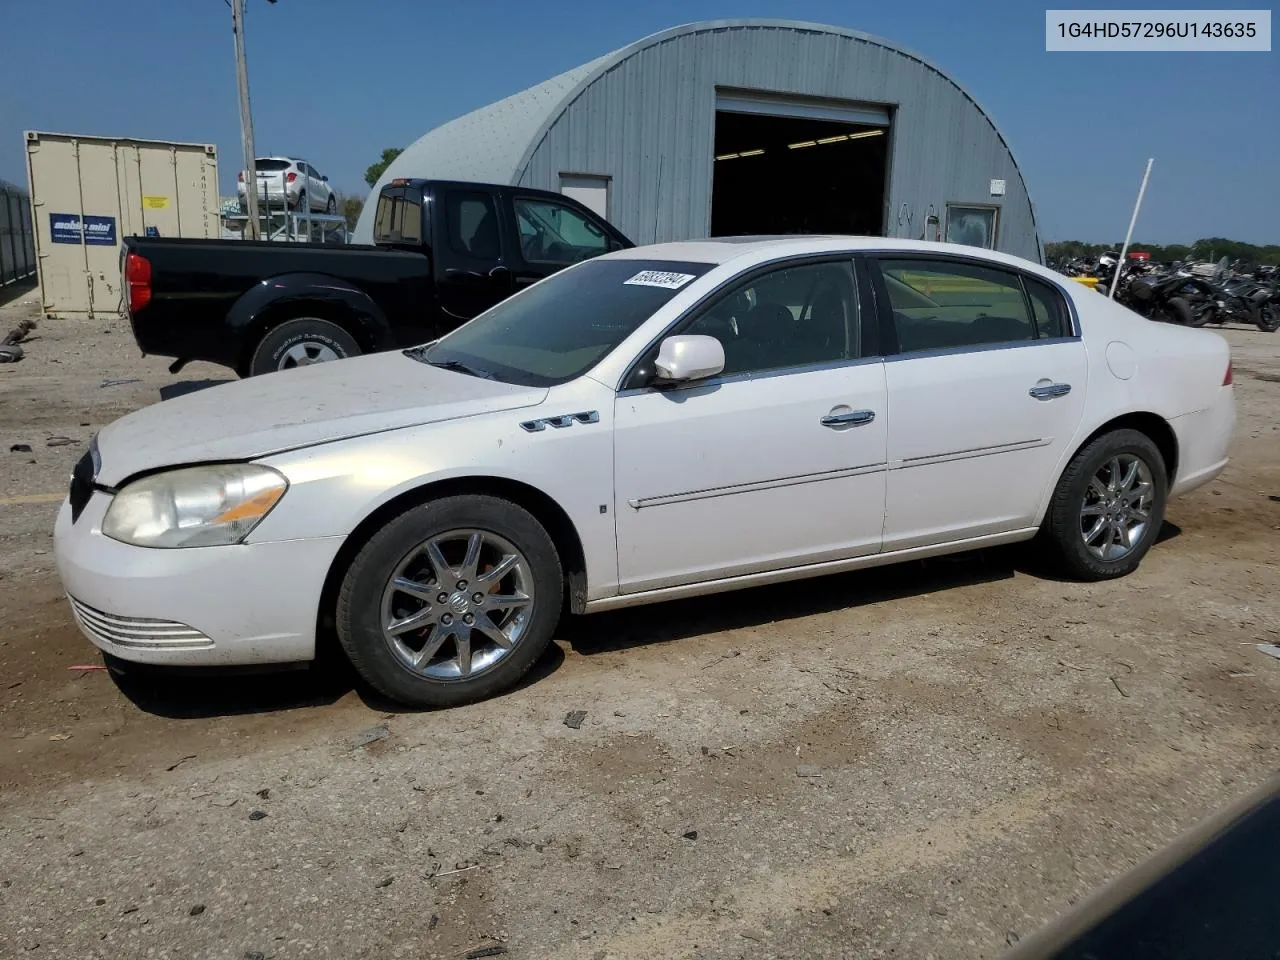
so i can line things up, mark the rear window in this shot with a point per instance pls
(560, 328)
(271, 166)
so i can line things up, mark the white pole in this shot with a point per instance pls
(246, 121)
(1115, 277)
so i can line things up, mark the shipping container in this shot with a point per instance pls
(17, 245)
(88, 193)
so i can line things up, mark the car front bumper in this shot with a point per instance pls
(252, 603)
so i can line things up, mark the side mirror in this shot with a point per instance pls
(686, 358)
(325, 179)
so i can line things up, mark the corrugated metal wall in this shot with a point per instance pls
(17, 239)
(648, 122)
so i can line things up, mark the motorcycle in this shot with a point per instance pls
(1239, 298)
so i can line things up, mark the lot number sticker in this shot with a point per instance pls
(660, 278)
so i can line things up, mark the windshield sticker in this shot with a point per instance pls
(660, 278)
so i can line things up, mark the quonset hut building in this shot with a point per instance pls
(749, 127)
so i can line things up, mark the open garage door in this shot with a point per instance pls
(798, 166)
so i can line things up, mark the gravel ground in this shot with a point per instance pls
(924, 761)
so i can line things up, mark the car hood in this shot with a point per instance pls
(251, 418)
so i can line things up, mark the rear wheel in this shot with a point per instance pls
(1178, 310)
(451, 602)
(1108, 507)
(1269, 318)
(302, 342)
(332, 205)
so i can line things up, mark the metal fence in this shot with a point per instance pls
(17, 238)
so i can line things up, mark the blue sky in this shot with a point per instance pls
(338, 80)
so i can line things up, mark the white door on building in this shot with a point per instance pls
(589, 190)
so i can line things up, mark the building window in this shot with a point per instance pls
(974, 225)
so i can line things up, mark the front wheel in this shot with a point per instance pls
(1108, 507)
(451, 602)
(301, 342)
(332, 206)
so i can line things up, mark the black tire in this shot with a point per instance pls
(1179, 311)
(332, 206)
(316, 337)
(1062, 535)
(1269, 318)
(359, 610)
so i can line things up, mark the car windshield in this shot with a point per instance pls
(562, 327)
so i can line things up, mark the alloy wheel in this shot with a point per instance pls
(457, 604)
(1117, 507)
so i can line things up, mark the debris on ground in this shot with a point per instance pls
(479, 952)
(58, 441)
(196, 910)
(85, 667)
(808, 770)
(258, 815)
(385, 882)
(264, 794)
(573, 719)
(1270, 649)
(118, 383)
(177, 763)
(10, 352)
(60, 736)
(726, 656)
(689, 835)
(20, 448)
(366, 737)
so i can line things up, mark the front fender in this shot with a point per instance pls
(272, 297)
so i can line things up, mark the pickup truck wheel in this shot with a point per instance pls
(332, 205)
(300, 343)
(451, 602)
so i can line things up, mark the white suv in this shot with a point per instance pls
(290, 180)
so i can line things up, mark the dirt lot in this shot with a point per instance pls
(926, 761)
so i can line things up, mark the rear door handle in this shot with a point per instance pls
(854, 418)
(1050, 390)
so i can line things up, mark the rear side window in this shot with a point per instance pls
(384, 220)
(1050, 309)
(942, 304)
(473, 225)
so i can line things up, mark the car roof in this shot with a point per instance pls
(760, 249)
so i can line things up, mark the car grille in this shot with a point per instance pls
(81, 485)
(137, 631)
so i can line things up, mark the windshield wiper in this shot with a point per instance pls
(461, 367)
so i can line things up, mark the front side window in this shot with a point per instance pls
(558, 329)
(473, 225)
(791, 317)
(941, 304)
(552, 232)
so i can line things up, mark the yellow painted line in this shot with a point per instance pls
(34, 498)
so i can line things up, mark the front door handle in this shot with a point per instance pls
(854, 418)
(1050, 390)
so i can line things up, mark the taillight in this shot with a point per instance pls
(292, 176)
(137, 275)
(1228, 379)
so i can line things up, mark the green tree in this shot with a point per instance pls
(378, 169)
(351, 207)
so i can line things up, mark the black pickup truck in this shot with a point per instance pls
(443, 252)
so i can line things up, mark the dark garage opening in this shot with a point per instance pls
(778, 174)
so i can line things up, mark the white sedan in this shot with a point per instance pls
(663, 421)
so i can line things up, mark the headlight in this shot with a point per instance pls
(195, 506)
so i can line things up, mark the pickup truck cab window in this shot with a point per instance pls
(555, 331)
(553, 232)
(473, 225)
